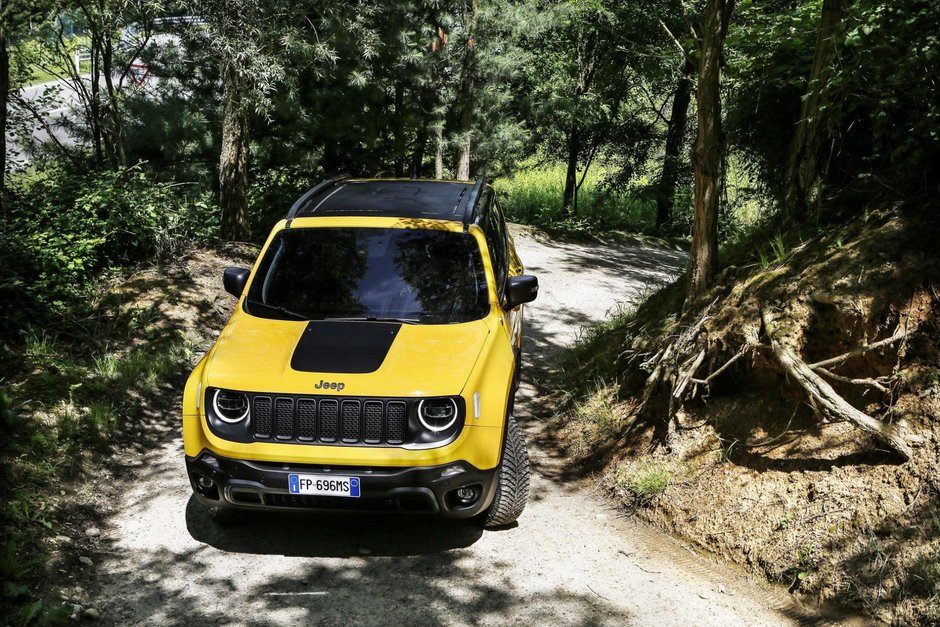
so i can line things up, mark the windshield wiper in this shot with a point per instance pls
(373, 319)
(278, 308)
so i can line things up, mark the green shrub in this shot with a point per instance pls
(66, 226)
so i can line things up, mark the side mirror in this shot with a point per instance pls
(234, 280)
(521, 289)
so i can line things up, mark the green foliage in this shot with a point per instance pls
(274, 190)
(68, 226)
(886, 107)
(770, 51)
(15, 594)
(774, 252)
(643, 482)
(533, 196)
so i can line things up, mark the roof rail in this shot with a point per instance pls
(472, 201)
(302, 201)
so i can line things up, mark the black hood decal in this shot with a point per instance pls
(344, 347)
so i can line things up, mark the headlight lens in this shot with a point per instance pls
(230, 406)
(438, 414)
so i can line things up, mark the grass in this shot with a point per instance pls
(533, 195)
(598, 409)
(643, 482)
(32, 51)
(923, 575)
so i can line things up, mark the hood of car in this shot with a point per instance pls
(355, 358)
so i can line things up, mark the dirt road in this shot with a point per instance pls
(572, 560)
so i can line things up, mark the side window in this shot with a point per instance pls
(503, 231)
(495, 230)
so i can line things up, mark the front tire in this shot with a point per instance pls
(512, 482)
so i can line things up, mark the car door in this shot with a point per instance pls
(505, 263)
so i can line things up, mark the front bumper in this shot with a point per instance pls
(264, 485)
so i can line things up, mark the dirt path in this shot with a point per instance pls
(572, 559)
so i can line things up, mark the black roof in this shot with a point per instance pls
(393, 198)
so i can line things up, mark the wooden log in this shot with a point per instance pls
(827, 399)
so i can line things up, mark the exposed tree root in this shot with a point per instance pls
(879, 384)
(674, 367)
(828, 401)
(861, 349)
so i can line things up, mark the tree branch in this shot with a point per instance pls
(673, 38)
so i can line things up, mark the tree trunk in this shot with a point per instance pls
(417, 156)
(117, 130)
(571, 175)
(466, 97)
(708, 148)
(439, 153)
(400, 143)
(233, 162)
(804, 171)
(675, 137)
(4, 99)
(94, 102)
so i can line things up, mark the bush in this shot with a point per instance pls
(66, 226)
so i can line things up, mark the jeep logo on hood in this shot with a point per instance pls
(329, 385)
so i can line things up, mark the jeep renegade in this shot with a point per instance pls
(371, 360)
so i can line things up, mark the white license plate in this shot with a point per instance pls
(324, 485)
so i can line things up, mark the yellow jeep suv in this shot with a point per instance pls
(371, 361)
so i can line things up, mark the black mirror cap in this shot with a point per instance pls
(234, 280)
(521, 289)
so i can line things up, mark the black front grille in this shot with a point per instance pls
(330, 420)
(372, 420)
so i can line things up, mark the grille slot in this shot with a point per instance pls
(396, 421)
(306, 419)
(284, 418)
(262, 415)
(372, 422)
(351, 427)
(329, 420)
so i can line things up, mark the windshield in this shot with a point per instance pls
(412, 275)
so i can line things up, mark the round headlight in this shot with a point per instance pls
(437, 414)
(230, 406)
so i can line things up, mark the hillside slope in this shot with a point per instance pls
(741, 462)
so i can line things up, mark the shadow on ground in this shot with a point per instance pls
(390, 570)
(312, 534)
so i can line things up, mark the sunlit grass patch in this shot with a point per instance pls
(642, 482)
(533, 195)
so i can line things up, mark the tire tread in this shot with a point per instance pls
(512, 484)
